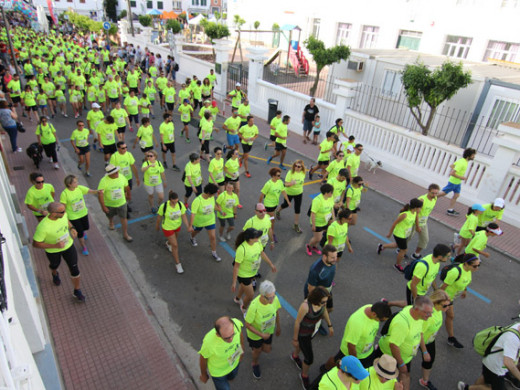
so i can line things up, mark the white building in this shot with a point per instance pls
(470, 29)
(91, 8)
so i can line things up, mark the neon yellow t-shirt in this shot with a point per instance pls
(339, 187)
(249, 258)
(323, 209)
(263, 224)
(372, 382)
(167, 131)
(272, 191)
(119, 116)
(185, 110)
(355, 197)
(204, 210)
(262, 317)
(426, 279)
(431, 326)
(489, 215)
(39, 199)
(248, 132)
(216, 168)
(325, 148)
(281, 130)
(172, 215)
(75, 202)
(404, 228)
(470, 224)
(360, 331)
(113, 190)
(132, 105)
(47, 133)
(456, 287)
(107, 133)
(340, 233)
(124, 162)
(232, 124)
(53, 232)
(80, 137)
(426, 209)
(479, 242)
(353, 162)
(193, 171)
(145, 135)
(152, 176)
(334, 167)
(274, 123)
(95, 118)
(297, 188)
(460, 166)
(227, 203)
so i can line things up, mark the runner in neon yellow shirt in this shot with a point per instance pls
(281, 134)
(339, 183)
(493, 212)
(336, 165)
(321, 216)
(294, 189)
(170, 216)
(203, 216)
(477, 245)
(145, 136)
(249, 254)
(216, 170)
(382, 375)
(206, 129)
(354, 160)
(457, 175)
(73, 199)
(270, 194)
(272, 129)
(401, 230)
(231, 125)
(79, 141)
(121, 120)
(39, 195)
(326, 147)
(125, 161)
(247, 134)
(186, 111)
(337, 233)
(467, 231)
(154, 178)
(353, 197)
(228, 202)
(429, 201)
(106, 131)
(166, 132)
(192, 177)
(231, 170)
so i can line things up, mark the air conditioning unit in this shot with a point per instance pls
(356, 65)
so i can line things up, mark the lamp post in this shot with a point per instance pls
(130, 17)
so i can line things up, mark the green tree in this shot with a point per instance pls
(113, 29)
(238, 22)
(110, 8)
(122, 14)
(173, 25)
(256, 25)
(145, 20)
(323, 57)
(433, 87)
(215, 31)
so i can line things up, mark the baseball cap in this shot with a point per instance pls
(238, 84)
(478, 207)
(251, 233)
(386, 367)
(111, 169)
(214, 103)
(350, 148)
(95, 105)
(494, 228)
(499, 202)
(351, 365)
(186, 100)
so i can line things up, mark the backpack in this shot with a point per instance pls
(176, 67)
(386, 326)
(408, 270)
(484, 340)
(449, 267)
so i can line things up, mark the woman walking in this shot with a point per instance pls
(294, 189)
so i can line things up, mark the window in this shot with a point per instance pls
(195, 2)
(504, 110)
(409, 39)
(343, 33)
(82, 1)
(149, 4)
(69, 1)
(176, 4)
(316, 28)
(160, 5)
(369, 37)
(203, 3)
(457, 46)
(133, 4)
(391, 84)
(503, 51)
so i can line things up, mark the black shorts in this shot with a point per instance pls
(134, 118)
(170, 106)
(121, 130)
(245, 281)
(31, 108)
(113, 100)
(272, 138)
(186, 123)
(246, 148)
(365, 362)
(189, 190)
(81, 225)
(109, 149)
(16, 99)
(355, 210)
(69, 255)
(409, 296)
(144, 150)
(230, 180)
(279, 146)
(323, 164)
(321, 228)
(401, 243)
(305, 344)
(270, 209)
(490, 378)
(296, 200)
(84, 150)
(255, 344)
(205, 147)
(330, 302)
(168, 147)
(53, 98)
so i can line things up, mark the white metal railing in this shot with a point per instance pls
(510, 189)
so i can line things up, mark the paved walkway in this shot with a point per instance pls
(402, 191)
(108, 342)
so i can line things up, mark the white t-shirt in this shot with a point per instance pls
(510, 343)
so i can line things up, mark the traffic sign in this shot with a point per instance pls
(106, 25)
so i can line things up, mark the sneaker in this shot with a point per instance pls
(275, 240)
(379, 248)
(56, 166)
(84, 251)
(310, 174)
(216, 257)
(237, 300)
(455, 343)
(278, 216)
(461, 386)
(179, 268)
(222, 238)
(248, 175)
(297, 229)
(308, 250)
(87, 174)
(427, 385)
(228, 236)
(18, 149)
(78, 295)
(305, 382)
(240, 206)
(188, 140)
(176, 168)
(297, 361)
(256, 371)
(399, 268)
(165, 165)
(452, 212)
(416, 256)
(65, 115)
(269, 160)
(224, 150)
(193, 241)
(154, 210)
(515, 383)
(316, 250)
(283, 168)
(56, 279)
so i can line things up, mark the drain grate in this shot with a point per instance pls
(19, 168)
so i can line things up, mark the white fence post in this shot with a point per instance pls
(345, 92)
(222, 49)
(256, 67)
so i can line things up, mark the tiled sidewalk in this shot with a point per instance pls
(107, 342)
(402, 190)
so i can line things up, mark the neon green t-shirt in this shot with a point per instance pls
(282, 131)
(456, 287)
(119, 115)
(274, 123)
(232, 124)
(262, 224)
(124, 162)
(145, 103)
(172, 215)
(249, 258)
(272, 191)
(227, 203)
(47, 133)
(340, 233)
(404, 228)
(431, 326)
(299, 178)
(478, 242)
(426, 279)
(470, 224)
(334, 167)
(372, 382)
(355, 197)
(107, 133)
(193, 171)
(232, 166)
(152, 176)
(248, 132)
(353, 162)
(262, 317)
(80, 137)
(145, 135)
(53, 232)
(169, 94)
(360, 331)
(75, 202)
(325, 148)
(132, 105)
(339, 187)
(323, 209)
(426, 209)
(39, 199)
(167, 131)
(216, 168)
(185, 110)
(95, 118)
(204, 210)
(113, 190)
(331, 381)
(489, 215)
(460, 166)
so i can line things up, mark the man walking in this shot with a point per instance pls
(309, 113)
(429, 200)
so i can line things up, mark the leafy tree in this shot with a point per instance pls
(122, 14)
(224, 15)
(238, 22)
(113, 29)
(182, 15)
(256, 25)
(275, 27)
(145, 20)
(433, 87)
(215, 31)
(110, 8)
(323, 57)
(173, 25)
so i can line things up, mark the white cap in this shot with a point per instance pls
(350, 148)
(238, 84)
(499, 202)
(497, 231)
(95, 105)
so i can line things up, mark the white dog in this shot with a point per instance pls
(373, 164)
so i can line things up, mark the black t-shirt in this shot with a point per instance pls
(310, 112)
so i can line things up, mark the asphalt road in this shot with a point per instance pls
(185, 306)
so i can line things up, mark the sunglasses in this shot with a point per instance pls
(122, 147)
(40, 182)
(278, 175)
(297, 166)
(150, 155)
(448, 305)
(260, 211)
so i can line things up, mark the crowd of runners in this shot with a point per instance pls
(115, 91)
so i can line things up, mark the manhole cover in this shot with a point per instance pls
(18, 168)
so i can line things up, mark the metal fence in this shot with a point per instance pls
(237, 73)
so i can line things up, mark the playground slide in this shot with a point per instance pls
(298, 62)
(273, 57)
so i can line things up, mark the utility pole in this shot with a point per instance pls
(130, 17)
(11, 48)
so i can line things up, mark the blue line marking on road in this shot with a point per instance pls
(64, 140)
(478, 295)
(384, 239)
(148, 216)
(312, 196)
(286, 305)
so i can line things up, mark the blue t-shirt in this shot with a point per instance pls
(6, 120)
(320, 275)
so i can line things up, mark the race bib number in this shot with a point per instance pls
(92, 95)
(236, 355)
(423, 220)
(207, 210)
(337, 199)
(117, 194)
(63, 238)
(408, 232)
(125, 171)
(109, 136)
(268, 324)
(235, 175)
(151, 96)
(367, 348)
(175, 215)
(121, 121)
(198, 181)
(78, 206)
(154, 180)
(142, 144)
(264, 239)
(113, 91)
(185, 117)
(328, 217)
(219, 176)
(341, 247)
(256, 264)
(61, 99)
(169, 97)
(133, 103)
(171, 137)
(82, 142)
(230, 203)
